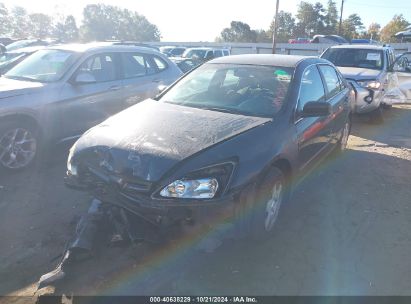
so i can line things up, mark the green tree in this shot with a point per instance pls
(397, 24)
(20, 24)
(4, 20)
(285, 27)
(102, 22)
(373, 31)
(263, 36)
(66, 30)
(352, 26)
(238, 32)
(310, 19)
(40, 25)
(331, 18)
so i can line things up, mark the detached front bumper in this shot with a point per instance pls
(366, 100)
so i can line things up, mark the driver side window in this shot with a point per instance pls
(311, 88)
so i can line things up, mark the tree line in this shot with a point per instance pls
(100, 22)
(312, 19)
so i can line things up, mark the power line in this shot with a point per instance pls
(382, 6)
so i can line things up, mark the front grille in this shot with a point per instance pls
(98, 176)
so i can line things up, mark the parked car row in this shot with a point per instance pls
(229, 137)
(161, 141)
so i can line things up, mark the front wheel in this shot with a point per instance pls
(18, 145)
(261, 205)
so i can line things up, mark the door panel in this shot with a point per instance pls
(142, 78)
(84, 105)
(314, 133)
(401, 87)
(338, 98)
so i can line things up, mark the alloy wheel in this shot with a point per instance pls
(273, 205)
(18, 148)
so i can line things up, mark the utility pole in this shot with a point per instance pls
(341, 14)
(275, 27)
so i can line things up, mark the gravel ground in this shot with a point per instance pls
(346, 231)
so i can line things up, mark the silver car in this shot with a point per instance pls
(60, 92)
(369, 68)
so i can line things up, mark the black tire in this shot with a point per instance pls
(386, 106)
(376, 116)
(251, 217)
(29, 141)
(342, 143)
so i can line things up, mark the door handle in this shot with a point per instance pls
(156, 80)
(114, 88)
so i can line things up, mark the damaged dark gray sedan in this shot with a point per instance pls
(229, 138)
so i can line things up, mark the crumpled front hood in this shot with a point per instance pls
(12, 87)
(151, 137)
(359, 73)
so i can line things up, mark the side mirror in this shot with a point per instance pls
(84, 78)
(316, 109)
(161, 88)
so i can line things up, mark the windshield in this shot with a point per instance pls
(18, 44)
(194, 53)
(43, 66)
(358, 58)
(6, 57)
(242, 89)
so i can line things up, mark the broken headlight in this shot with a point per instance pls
(202, 184)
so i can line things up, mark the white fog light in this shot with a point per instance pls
(196, 189)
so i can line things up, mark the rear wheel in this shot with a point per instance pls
(18, 145)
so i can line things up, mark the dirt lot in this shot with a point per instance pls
(346, 231)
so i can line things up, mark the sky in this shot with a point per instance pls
(193, 20)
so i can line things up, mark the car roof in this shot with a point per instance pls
(29, 49)
(267, 59)
(96, 46)
(200, 48)
(360, 46)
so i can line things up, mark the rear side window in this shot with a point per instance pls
(331, 79)
(137, 65)
(218, 53)
(160, 63)
(311, 88)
